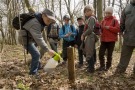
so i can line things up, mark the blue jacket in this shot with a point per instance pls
(67, 30)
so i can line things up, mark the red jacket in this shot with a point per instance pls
(111, 34)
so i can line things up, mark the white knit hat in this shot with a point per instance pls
(109, 9)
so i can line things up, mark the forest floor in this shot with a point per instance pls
(14, 75)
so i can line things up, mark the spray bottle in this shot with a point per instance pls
(52, 63)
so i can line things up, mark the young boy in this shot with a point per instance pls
(67, 33)
(78, 40)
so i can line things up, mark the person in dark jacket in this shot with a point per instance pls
(34, 27)
(127, 27)
(79, 41)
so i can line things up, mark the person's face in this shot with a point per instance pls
(66, 21)
(108, 14)
(88, 13)
(47, 20)
(80, 22)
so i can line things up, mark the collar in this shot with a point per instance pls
(110, 17)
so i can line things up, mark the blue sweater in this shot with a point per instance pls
(67, 30)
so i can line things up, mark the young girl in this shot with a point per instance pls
(110, 28)
(90, 37)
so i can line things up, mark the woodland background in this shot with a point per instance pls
(14, 67)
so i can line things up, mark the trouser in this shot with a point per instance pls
(109, 46)
(64, 51)
(35, 54)
(92, 61)
(53, 46)
(80, 55)
(125, 57)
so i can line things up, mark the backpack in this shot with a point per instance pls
(97, 27)
(21, 19)
(53, 31)
(63, 28)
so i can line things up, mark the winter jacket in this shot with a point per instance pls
(127, 25)
(62, 33)
(111, 34)
(78, 40)
(34, 29)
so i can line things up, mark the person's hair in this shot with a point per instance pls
(88, 7)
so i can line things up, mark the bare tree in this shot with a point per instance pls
(99, 10)
(113, 3)
(95, 6)
(109, 2)
(29, 7)
(68, 4)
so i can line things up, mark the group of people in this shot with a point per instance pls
(83, 38)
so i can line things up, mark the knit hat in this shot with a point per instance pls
(88, 7)
(109, 9)
(66, 17)
(50, 14)
(80, 18)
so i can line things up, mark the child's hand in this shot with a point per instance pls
(70, 33)
(67, 35)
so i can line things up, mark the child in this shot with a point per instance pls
(78, 40)
(90, 37)
(67, 33)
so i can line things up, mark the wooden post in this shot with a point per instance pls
(71, 64)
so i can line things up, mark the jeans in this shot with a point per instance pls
(35, 54)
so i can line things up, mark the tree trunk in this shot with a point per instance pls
(113, 3)
(30, 9)
(104, 5)
(84, 2)
(99, 10)
(95, 6)
(109, 2)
